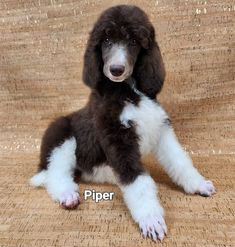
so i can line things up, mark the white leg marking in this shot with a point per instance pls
(157, 137)
(178, 164)
(100, 174)
(60, 184)
(39, 179)
(141, 199)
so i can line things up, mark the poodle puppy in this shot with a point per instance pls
(104, 141)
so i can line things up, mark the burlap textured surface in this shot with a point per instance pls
(41, 57)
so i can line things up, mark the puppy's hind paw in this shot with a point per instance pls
(206, 188)
(70, 200)
(154, 228)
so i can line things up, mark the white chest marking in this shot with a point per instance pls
(148, 117)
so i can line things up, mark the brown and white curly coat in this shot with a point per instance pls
(104, 141)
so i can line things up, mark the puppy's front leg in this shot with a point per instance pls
(139, 189)
(178, 164)
(142, 201)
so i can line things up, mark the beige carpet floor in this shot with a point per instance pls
(41, 56)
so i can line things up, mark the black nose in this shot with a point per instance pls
(117, 70)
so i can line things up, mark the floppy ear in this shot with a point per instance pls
(93, 64)
(149, 71)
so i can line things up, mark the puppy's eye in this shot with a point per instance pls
(107, 42)
(133, 42)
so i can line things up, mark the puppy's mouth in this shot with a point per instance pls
(114, 78)
(117, 78)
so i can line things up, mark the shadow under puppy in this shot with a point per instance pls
(104, 141)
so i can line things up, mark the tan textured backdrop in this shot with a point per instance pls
(41, 55)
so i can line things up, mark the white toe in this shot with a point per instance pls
(206, 188)
(153, 227)
(70, 199)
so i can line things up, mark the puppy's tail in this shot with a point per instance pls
(39, 180)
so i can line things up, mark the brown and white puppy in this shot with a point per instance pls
(104, 141)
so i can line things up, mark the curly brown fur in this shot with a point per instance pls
(99, 134)
(104, 141)
(149, 71)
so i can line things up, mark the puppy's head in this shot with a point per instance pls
(122, 44)
(120, 48)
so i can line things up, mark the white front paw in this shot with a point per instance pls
(206, 188)
(153, 227)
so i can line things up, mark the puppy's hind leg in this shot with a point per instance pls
(60, 184)
(58, 178)
(57, 165)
